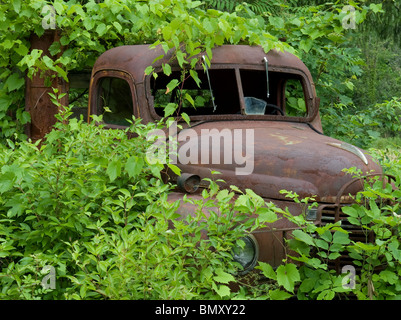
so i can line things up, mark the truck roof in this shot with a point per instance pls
(134, 59)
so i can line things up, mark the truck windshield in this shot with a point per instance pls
(286, 94)
(224, 87)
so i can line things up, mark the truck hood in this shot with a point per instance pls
(269, 156)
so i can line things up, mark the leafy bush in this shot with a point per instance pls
(85, 204)
(64, 189)
(375, 259)
(372, 127)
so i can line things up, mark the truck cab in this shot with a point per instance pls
(253, 117)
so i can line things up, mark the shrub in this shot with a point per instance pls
(376, 126)
(86, 206)
(375, 259)
(83, 215)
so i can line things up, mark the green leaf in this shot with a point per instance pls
(101, 29)
(6, 181)
(113, 169)
(195, 76)
(5, 102)
(181, 58)
(64, 40)
(134, 166)
(14, 82)
(149, 70)
(267, 270)
(389, 276)
(186, 118)
(167, 32)
(340, 237)
(287, 276)
(175, 169)
(223, 277)
(277, 22)
(59, 7)
(326, 295)
(117, 26)
(207, 25)
(334, 255)
(306, 45)
(307, 285)
(172, 85)
(222, 290)
(376, 7)
(302, 236)
(170, 109)
(279, 294)
(351, 211)
(266, 215)
(190, 99)
(166, 69)
(22, 50)
(61, 72)
(16, 5)
(322, 244)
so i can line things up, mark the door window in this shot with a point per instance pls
(115, 101)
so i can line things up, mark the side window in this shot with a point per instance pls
(295, 98)
(115, 101)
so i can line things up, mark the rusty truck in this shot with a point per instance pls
(272, 97)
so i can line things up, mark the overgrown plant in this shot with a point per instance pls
(377, 126)
(375, 256)
(377, 213)
(89, 28)
(85, 204)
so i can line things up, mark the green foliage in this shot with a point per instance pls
(377, 264)
(85, 203)
(377, 211)
(64, 190)
(316, 31)
(257, 6)
(365, 127)
(386, 26)
(82, 202)
(381, 77)
(88, 29)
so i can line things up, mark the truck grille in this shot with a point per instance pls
(329, 215)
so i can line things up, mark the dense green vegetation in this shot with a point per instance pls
(111, 221)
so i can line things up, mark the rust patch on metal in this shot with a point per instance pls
(37, 99)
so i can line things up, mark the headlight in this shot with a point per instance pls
(247, 255)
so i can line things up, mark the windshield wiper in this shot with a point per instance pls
(210, 86)
(267, 76)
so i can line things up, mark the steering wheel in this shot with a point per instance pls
(273, 106)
